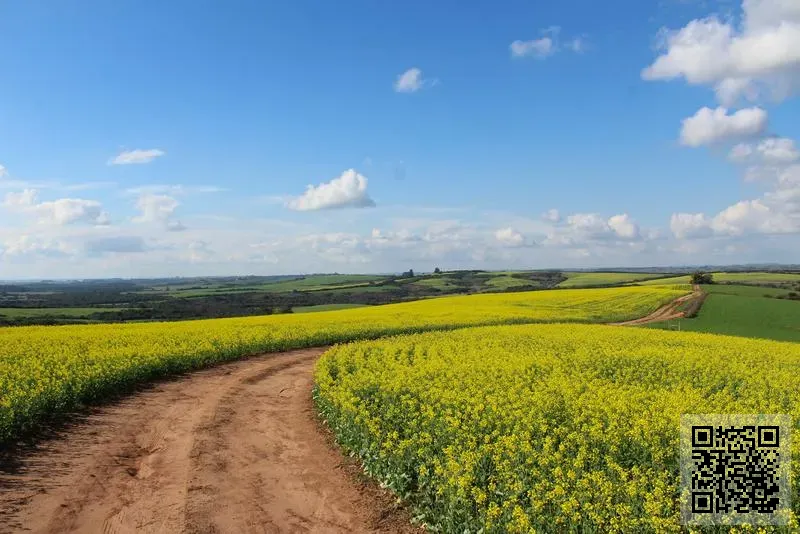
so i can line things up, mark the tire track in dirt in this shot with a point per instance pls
(666, 312)
(236, 448)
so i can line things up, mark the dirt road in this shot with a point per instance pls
(236, 448)
(666, 312)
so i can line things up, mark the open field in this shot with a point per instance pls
(734, 278)
(52, 312)
(580, 279)
(546, 428)
(744, 311)
(46, 370)
(199, 298)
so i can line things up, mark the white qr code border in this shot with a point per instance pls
(696, 509)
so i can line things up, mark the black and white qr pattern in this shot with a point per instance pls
(732, 470)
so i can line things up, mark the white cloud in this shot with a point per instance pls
(158, 209)
(552, 215)
(537, 48)
(28, 245)
(22, 200)
(769, 157)
(778, 150)
(509, 237)
(764, 51)
(155, 208)
(411, 81)
(348, 190)
(580, 229)
(547, 45)
(690, 225)
(777, 212)
(3, 172)
(709, 126)
(137, 156)
(59, 212)
(624, 226)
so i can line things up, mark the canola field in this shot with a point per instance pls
(48, 370)
(545, 428)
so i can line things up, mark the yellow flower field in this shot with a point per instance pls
(47, 370)
(545, 428)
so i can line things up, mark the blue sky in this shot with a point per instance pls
(178, 138)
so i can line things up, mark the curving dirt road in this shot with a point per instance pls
(666, 312)
(236, 448)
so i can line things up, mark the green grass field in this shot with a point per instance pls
(502, 282)
(744, 291)
(740, 278)
(309, 283)
(55, 312)
(599, 279)
(744, 311)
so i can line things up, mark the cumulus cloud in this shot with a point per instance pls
(690, 225)
(63, 211)
(348, 190)
(411, 81)
(778, 150)
(579, 229)
(710, 126)
(155, 208)
(624, 226)
(28, 245)
(546, 46)
(777, 212)
(509, 237)
(137, 156)
(158, 209)
(736, 60)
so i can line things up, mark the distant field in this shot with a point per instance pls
(598, 279)
(743, 278)
(503, 282)
(744, 311)
(308, 283)
(44, 312)
(325, 307)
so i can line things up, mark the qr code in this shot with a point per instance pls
(735, 469)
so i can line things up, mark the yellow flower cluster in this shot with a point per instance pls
(44, 370)
(544, 428)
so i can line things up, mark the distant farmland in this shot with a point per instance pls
(577, 279)
(748, 311)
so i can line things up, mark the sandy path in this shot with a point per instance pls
(236, 448)
(666, 312)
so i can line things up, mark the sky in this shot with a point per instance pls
(197, 138)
